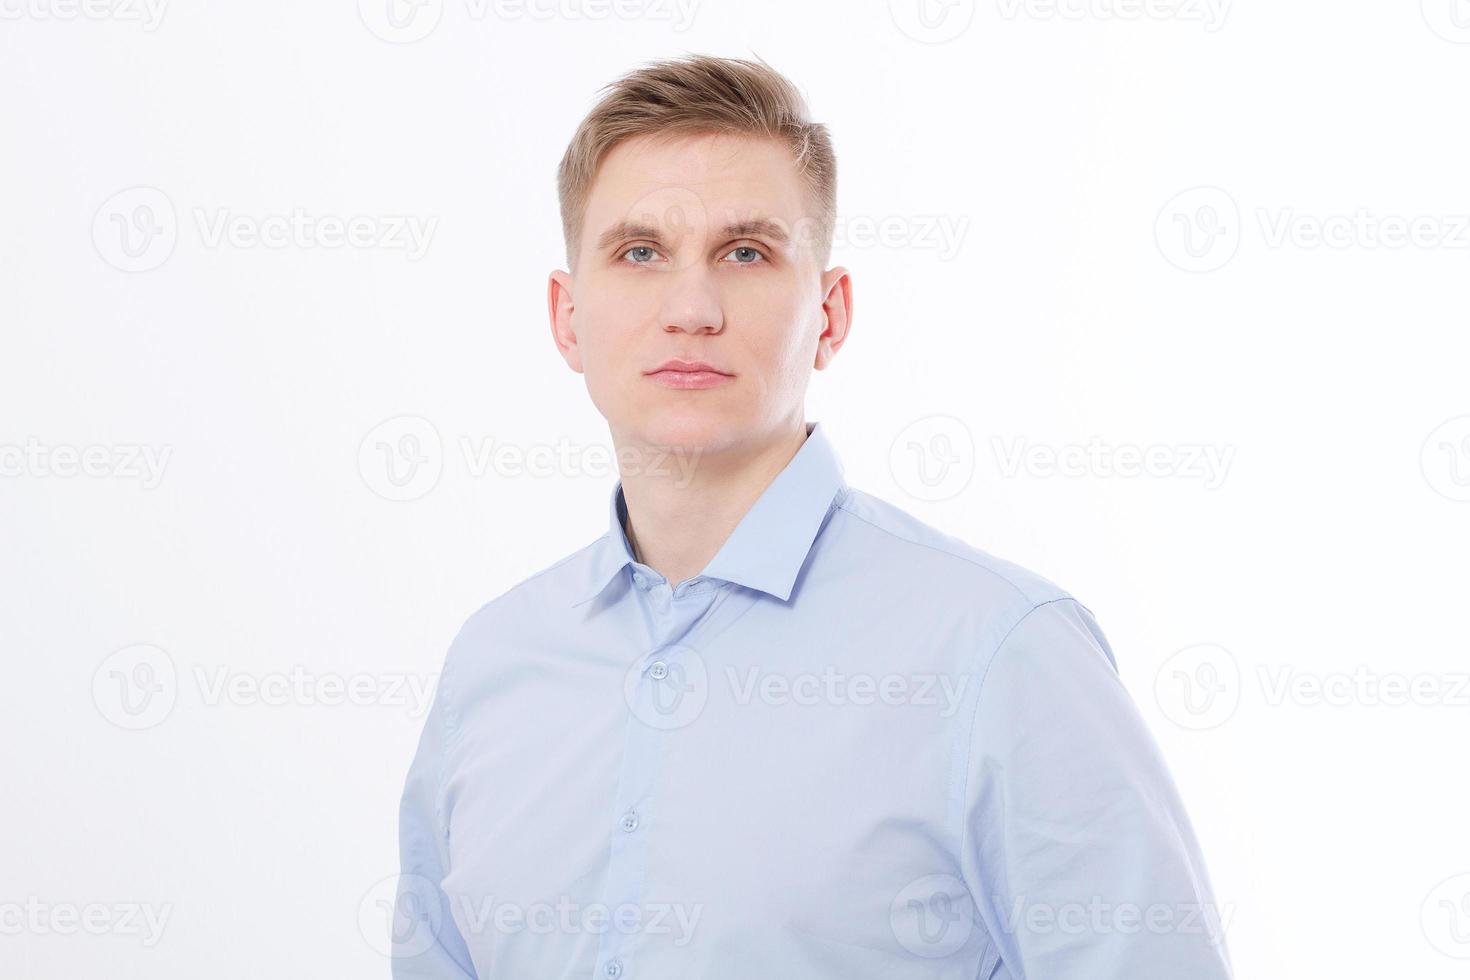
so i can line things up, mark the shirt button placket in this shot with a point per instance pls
(628, 851)
(672, 618)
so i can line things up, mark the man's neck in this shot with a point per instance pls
(680, 516)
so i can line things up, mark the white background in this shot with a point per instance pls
(1088, 295)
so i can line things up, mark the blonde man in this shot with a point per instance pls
(769, 726)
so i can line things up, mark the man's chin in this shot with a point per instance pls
(689, 434)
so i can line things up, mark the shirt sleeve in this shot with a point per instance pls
(426, 942)
(1077, 851)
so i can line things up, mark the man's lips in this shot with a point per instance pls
(678, 373)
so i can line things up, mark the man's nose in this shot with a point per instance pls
(691, 302)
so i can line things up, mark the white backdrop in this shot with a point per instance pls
(1164, 299)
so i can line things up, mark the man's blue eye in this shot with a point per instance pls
(745, 255)
(640, 248)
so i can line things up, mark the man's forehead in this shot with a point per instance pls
(713, 184)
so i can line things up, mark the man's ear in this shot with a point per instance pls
(559, 305)
(837, 311)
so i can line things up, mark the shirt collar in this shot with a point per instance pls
(769, 546)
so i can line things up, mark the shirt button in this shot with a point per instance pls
(659, 670)
(613, 969)
(630, 822)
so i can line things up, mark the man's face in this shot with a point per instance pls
(699, 249)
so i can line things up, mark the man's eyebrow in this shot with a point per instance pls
(759, 228)
(754, 227)
(624, 230)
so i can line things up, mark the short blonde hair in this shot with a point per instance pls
(697, 95)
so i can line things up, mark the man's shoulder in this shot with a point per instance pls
(909, 548)
(537, 598)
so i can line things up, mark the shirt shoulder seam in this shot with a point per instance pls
(969, 732)
(843, 505)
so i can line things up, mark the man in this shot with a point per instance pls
(768, 726)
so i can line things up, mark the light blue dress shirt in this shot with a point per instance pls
(852, 747)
